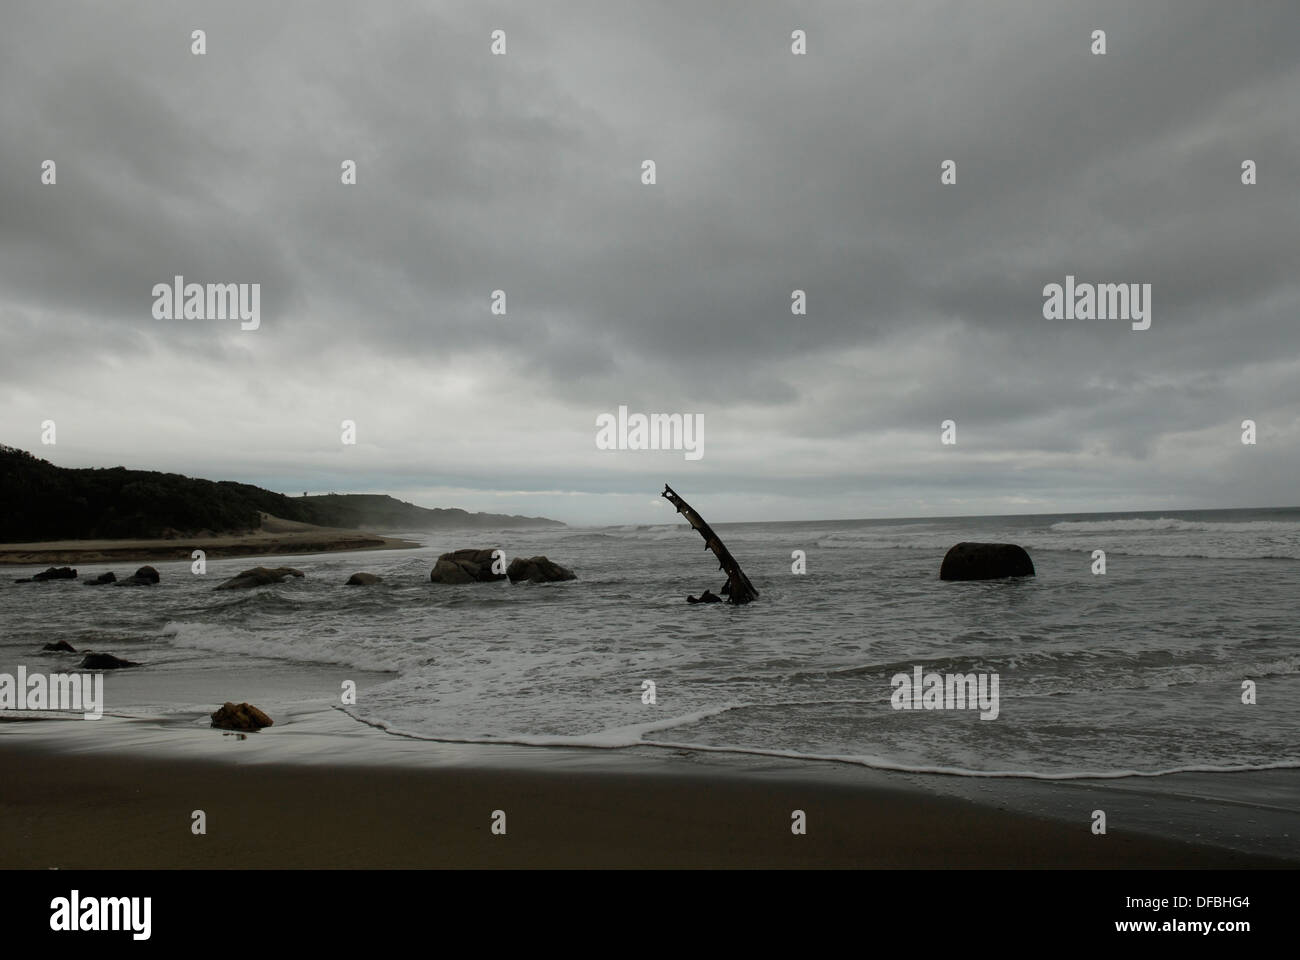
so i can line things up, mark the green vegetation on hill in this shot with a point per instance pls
(39, 501)
(379, 512)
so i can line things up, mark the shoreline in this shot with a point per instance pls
(322, 790)
(66, 552)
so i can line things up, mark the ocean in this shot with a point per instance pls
(1135, 672)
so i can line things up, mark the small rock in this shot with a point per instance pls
(61, 647)
(708, 596)
(101, 579)
(363, 580)
(105, 661)
(243, 716)
(538, 570)
(53, 573)
(258, 577)
(144, 577)
(59, 573)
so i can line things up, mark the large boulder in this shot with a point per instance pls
(144, 577)
(363, 580)
(985, 561)
(465, 566)
(537, 570)
(53, 573)
(102, 579)
(240, 716)
(259, 577)
(105, 661)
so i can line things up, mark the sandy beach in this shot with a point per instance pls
(322, 791)
(276, 536)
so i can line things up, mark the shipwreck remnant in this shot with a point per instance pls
(738, 589)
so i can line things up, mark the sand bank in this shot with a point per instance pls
(276, 536)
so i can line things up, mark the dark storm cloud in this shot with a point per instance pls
(775, 172)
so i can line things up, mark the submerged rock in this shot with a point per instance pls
(241, 716)
(105, 661)
(101, 579)
(144, 577)
(986, 561)
(538, 570)
(52, 573)
(465, 566)
(708, 596)
(258, 577)
(57, 573)
(61, 647)
(363, 580)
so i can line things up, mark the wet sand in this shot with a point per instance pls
(117, 793)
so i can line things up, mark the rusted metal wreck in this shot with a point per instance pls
(737, 589)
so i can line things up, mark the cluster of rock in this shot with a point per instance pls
(486, 566)
(144, 577)
(231, 716)
(965, 561)
(91, 661)
(462, 566)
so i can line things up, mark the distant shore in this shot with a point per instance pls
(275, 537)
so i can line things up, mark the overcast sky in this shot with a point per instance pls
(523, 172)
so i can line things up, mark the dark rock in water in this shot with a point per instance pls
(258, 577)
(708, 596)
(985, 561)
(538, 570)
(465, 566)
(59, 573)
(105, 661)
(363, 580)
(144, 577)
(242, 716)
(101, 579)
(53, 573)
(62, 647)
